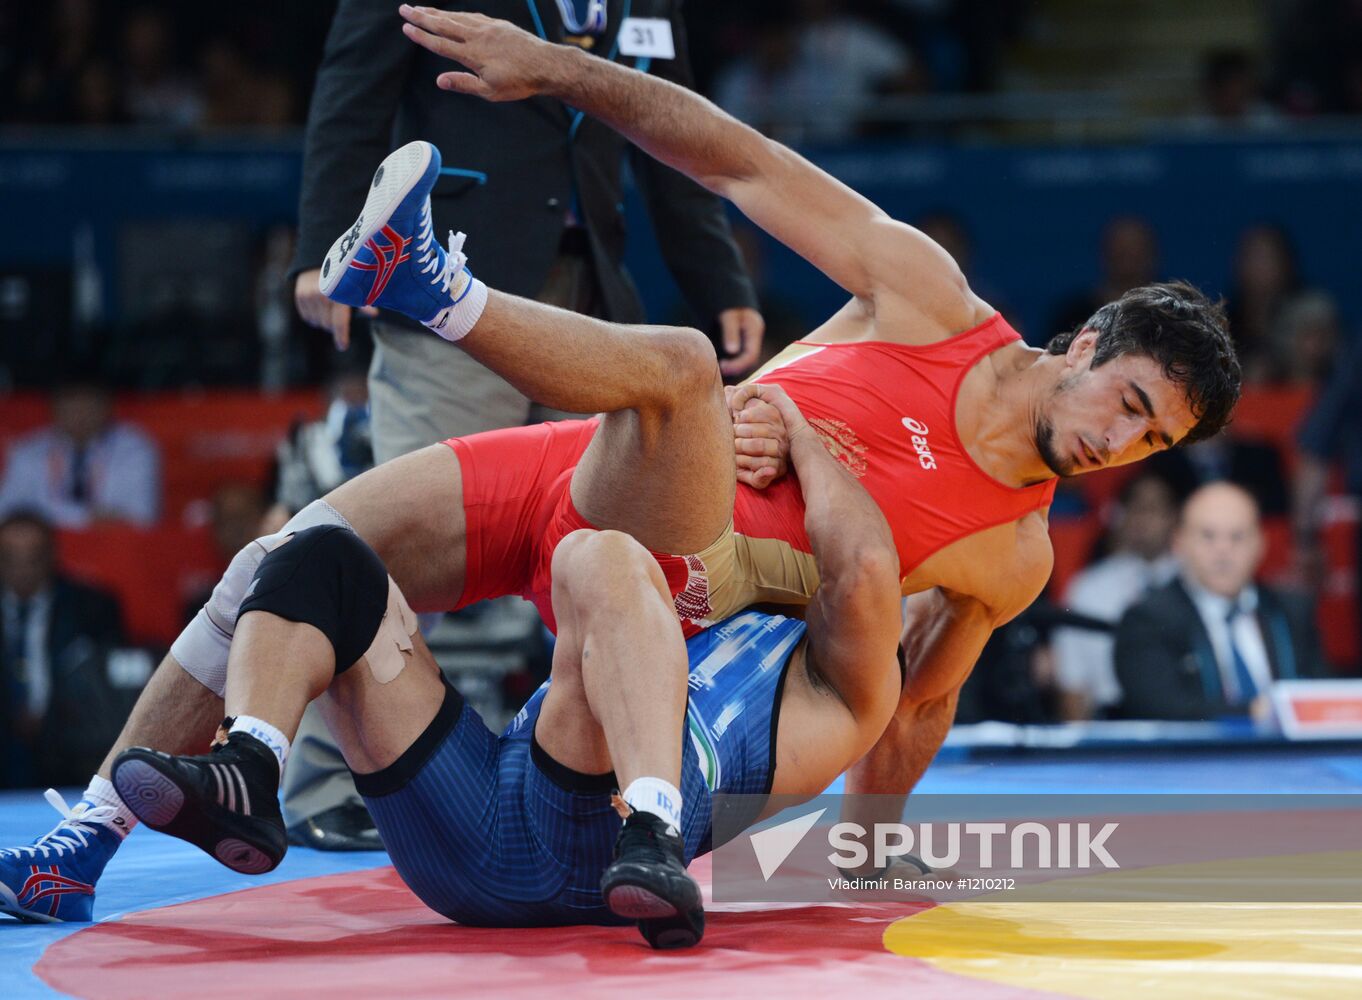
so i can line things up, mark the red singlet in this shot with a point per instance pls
(886, 411)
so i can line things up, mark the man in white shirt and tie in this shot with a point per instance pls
(1210, 643)
(85, 467)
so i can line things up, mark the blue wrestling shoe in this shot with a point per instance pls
(53, 879)
(389, 258)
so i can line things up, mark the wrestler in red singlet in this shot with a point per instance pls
(887, 411)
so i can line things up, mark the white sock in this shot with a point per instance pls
(470, 297)
(656, 796)
(101, 793)
(266, 734)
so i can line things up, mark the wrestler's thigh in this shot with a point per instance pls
(374, 723)
(410, 511)
(667, 478)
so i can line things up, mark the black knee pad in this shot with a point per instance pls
(327, 577)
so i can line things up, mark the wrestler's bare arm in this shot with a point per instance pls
(852, 615)
(840, 232)
(943, 635)
(843, 685)
(944, 630)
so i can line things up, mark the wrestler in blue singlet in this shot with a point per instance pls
(493, 832)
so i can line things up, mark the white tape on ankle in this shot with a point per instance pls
(455, 322)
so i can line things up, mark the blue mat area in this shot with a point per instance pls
(1288, 770)
(148, 871)
(1281, 770)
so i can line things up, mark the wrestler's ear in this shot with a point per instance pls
(1081, 348)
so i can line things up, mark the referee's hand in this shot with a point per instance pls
(319, 311)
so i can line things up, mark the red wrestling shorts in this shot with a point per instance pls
(518, 506)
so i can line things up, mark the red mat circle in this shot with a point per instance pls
(363, 934)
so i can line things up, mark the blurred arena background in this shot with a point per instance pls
(1062, 150)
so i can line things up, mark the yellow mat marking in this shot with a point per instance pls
(1162, 950)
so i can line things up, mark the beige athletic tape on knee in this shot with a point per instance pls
(392, 647)
(202, 647)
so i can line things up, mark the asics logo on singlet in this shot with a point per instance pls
(918, 430)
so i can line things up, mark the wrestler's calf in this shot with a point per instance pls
(326, 598)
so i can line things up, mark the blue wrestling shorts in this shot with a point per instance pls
(491, 831)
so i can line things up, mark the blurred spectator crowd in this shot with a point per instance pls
(96, 576)
(1287, 330)
(158, 65)
(803, 70)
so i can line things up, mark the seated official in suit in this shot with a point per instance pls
(1210, 643)
(55, 638)
(86, 467)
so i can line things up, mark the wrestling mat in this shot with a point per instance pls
(172, 923)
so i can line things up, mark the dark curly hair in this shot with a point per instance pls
(1185, 332)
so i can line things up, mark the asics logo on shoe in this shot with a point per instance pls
(50, 884)
(386, 258)
(349, 239)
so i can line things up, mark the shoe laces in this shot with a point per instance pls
(74, 830)
(443, 274)
(645, 839)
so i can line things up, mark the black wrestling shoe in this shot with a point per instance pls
(648, 882)
(225, 802)
(346, 827)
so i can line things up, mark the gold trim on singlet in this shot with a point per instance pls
(737, 571)
(772, 571)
